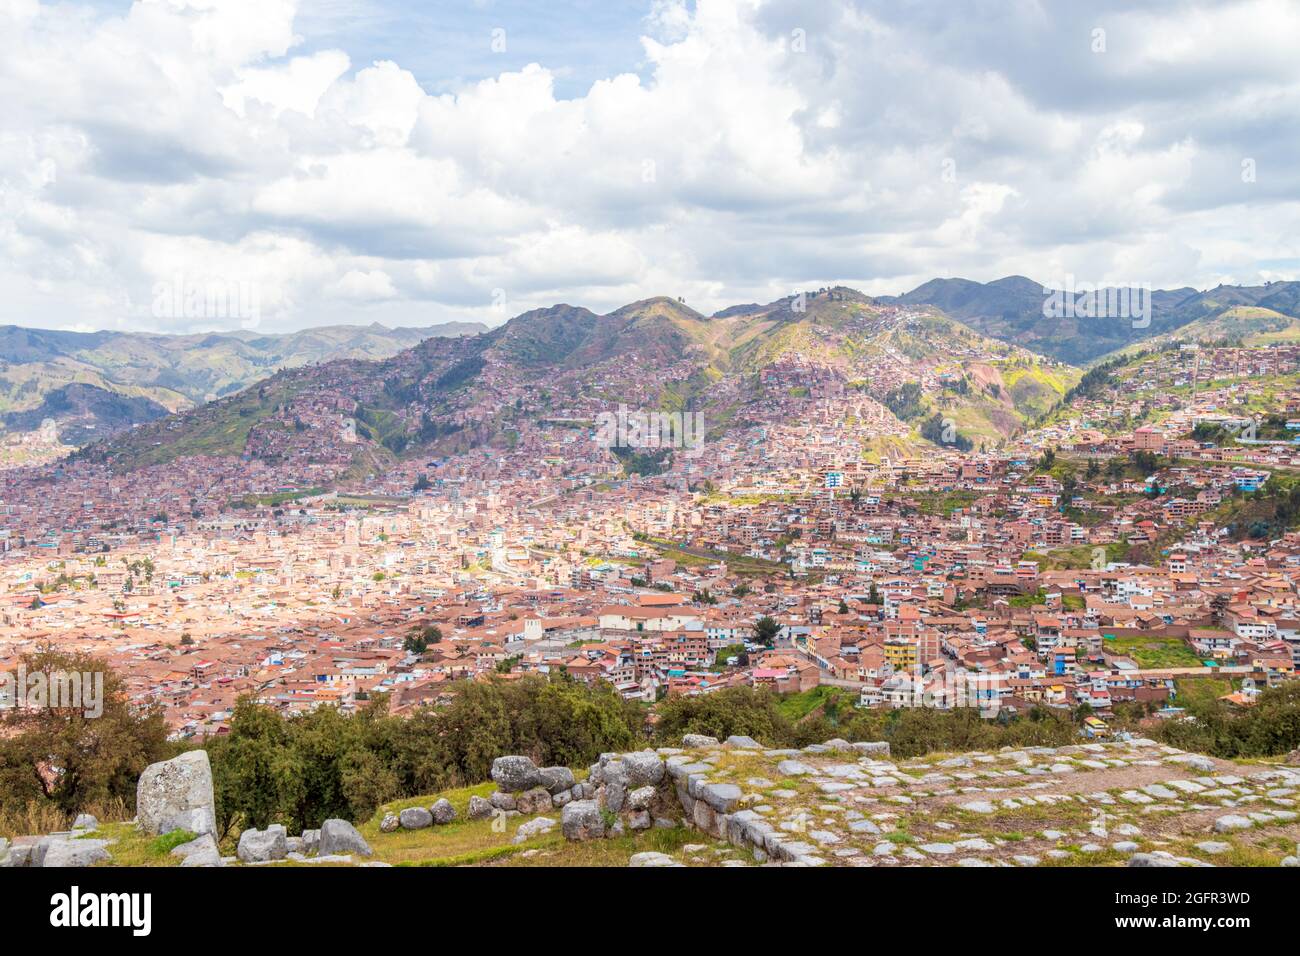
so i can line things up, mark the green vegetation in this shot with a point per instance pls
(100, 758)
(301, 770)
(1270, 728)
(1154, 650)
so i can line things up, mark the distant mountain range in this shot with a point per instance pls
(125, 379)
(1012, 309)
(750, 367)
(92, 383)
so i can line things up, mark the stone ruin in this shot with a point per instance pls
(175, 795)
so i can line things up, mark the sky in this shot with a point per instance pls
(197, 165)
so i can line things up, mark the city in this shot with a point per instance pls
(615, 440)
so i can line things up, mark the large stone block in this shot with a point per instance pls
(176, 794)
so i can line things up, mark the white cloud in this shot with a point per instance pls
(769, 145)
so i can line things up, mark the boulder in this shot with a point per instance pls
(261, 846)
(514, 773)
(390, 823)
(639, 799)
(582, 820)
(176, 794)
(201, 851)
(1150, 859)
(645, 767)
(534, 828)
(415, 818)
(310, 841)
(743, 742)
(503, 801)
(556, 779)
(1231, 822)
(443, 811)
(85, 821)
(74, 853)
(699, 740)
(536, 800)
(876, 748)
(479, 808)
(338, 837)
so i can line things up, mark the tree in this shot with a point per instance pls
(67, 758)
(765, 631)
(420, 637)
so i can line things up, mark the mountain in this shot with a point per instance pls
(140, 373)
(800, 357)
(1012, 309)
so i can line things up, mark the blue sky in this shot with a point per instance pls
(446, 44)
(357, 161)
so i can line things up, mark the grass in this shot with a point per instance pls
(798, 706)
(1201, 691)
(1154, 650)
(130, 847)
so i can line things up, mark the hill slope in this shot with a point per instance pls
(760, 364)
(122, 378)
(1012, 309)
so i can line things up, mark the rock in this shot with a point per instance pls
(979, 806)
(201, 851)
(177, 794)
(873, 747)
(720, 796)
(338, 837)
(534, 828)
(1124, 846)
(310, 841)
(556, 779)
(699, 740)
(1194, 761)
(513, 774)
(503, 801)
(443, 812)
(85, 821)
(638, 820)
(743, 742)
(793, 768)
(536, 800)
(74, 853)
(479, 808)
(652, 858)
(639, 799)
(643, 768)
(1150, 859)
(1293, 758)
(1213, 847)
(261, 846)
(1291, 861)
(390, 823)
(415, 818)
(1231, 822)
(16, 856)
(582, 820)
